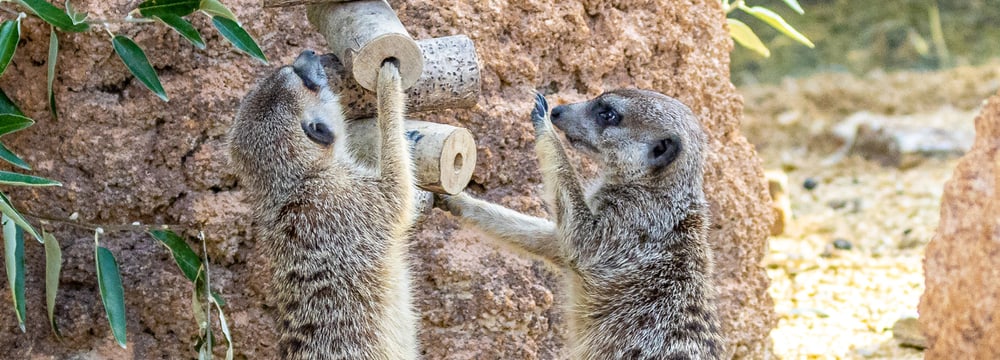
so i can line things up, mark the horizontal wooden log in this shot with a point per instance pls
(451, 79)
(363, 35)
(444, 156)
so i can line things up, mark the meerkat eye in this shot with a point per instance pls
(608, 117)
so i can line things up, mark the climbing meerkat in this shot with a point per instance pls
(634, 248)
(333, 231)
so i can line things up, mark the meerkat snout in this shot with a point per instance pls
(308, 67)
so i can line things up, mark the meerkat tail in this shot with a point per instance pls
(531, 234)
(396, 165)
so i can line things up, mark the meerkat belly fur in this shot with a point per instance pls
(634, 247)
(333, 231)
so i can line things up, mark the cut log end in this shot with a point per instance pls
(367, 62)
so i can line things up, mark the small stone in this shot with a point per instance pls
(810, 183)
(842, 244)
(907, 331)
(837, 204)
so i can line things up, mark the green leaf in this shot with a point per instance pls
(215, 8)
(10, 178)
(112, 292)
(7, 106)
(53, 52)
(184, 256)
(239, 37)
(778, 23)
(12, 158)
(75, 17)
(10, 34)
(795, 6)
(745, 36)
(10, 123)
(151, 8)
(138, 64)
(53, 265)
(8, 210)
(54, 15)
(13, 244)
(184, 28)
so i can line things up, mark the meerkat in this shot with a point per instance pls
(634, 248)
(333, 231)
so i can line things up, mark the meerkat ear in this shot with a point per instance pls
(663, 152)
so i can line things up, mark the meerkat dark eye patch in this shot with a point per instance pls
(663, 153)
(318, 132)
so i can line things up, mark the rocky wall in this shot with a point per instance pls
(960, 308)
(126, 156)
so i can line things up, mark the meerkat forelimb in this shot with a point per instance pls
(634, 247)
(332, 230)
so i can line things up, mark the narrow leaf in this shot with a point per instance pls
(184, 28)
(184, 256)
(112, 293)
(215, 8)
(53, 265)
(12, 158)
(53, 52)
(239, 37)
(794, 4)
(745, 36)
(8, 210)
(225, 331)
(10, 34)
(10, 178)
(10, 123)
(138, 64)
(151, 8)
(54, 15)
(7, 106)
(74, 16)
(778, 23)
(13, 244)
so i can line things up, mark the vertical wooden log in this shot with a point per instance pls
(444, 156)
(365, 33)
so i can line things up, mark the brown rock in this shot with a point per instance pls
(126, 156)
(960, 308)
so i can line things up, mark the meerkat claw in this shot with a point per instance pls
(540, 111)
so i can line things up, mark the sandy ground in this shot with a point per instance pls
(841, 303)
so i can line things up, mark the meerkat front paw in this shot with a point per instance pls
(449, 203)
(539, 115)
(413, 137)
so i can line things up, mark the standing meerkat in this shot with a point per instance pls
(333, 231)
(634, 248)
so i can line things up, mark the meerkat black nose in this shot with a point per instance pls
(558, 110)
(309, 68)
(317, 131)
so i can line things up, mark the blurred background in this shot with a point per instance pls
(859, 135)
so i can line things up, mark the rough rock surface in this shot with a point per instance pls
(126, 156)
(960, 309)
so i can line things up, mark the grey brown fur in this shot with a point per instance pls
(634, 248)
(332, 230)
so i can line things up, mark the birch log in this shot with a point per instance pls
(363, 34)
(450, 80)
(444, 156)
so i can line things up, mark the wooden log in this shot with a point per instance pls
(450, 80)
(444, 156)
(363, 35)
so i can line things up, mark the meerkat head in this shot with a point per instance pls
(289, 124)
(635, 135)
